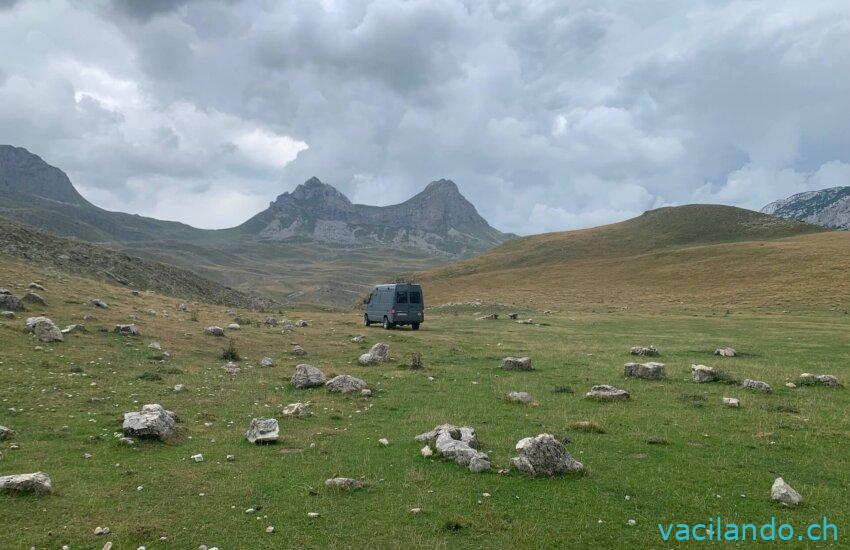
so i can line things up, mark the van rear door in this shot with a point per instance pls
(401, 304)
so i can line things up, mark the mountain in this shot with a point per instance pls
(827, 207)
(438, 220)
(91, 261)
(708, 255)
(310, 245)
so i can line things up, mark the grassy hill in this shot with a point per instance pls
(698, 254)
(78, 258)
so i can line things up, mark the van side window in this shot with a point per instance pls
(401, 297)
(415, 297)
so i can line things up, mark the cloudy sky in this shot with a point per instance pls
(549, 115)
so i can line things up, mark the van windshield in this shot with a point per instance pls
(415, 297)
(401, 297)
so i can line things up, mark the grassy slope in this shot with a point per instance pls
(718, 461)
(700, 255)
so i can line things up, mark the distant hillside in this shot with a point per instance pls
(91, 261)
(311, 245)
(698, 254)
(827, 207)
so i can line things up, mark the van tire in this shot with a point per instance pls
(415, 326)
(366, 320)
(387, 324)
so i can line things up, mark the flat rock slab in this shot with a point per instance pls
(516, 363)
(263, 430)
(37, 482)
(603, 392)
(647, 371)
(307, 376)
(519, 397)
(345, 383)
(152, 422)
(544, 455)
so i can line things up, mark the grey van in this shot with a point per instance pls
(395, 304)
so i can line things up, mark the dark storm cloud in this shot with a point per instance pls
(548, 115)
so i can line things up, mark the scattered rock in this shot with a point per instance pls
(7, 314)
(36, 286)
(379, 353)
(384, 441)
(179, 388)
(266, 362)
(301, 323)
(271, 321)
(10, 303)
(491, 317)
(345, 383)
(298, 351)
(359, 339)
(37, 482)
(366, 392)
(544, 455)
(44, 329)
(513, 316)
(517, 363)
(307, 376)
(647, 371)
(426, 451)
(648, 351)
(198, 457)
(234, 326)
(214, 331)
(263, 430)
(603, 392)
(126, 330)
(808, 379)
(98, 303)
(100, 531)
(701, 373)
(34, 298)
(297, 410)
(519, 397)
(6, 433)
(343, 483)
(525, 322)
(784, 493)
(155, 345)
(152, 421)
(757, 385)
(71, 329)
(725, 352)
(457, 443)
(183, 307)
(731, 402)
(231, 368)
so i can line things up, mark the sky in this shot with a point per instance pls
(549, 115)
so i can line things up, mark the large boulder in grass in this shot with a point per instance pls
(214, 331)
(307, 376)
(345, 383)
(603, 392)
(34, 298)
(44, 329)
(38, 482)
(647, 371)
(516, 363)
(379, 353)
(784, 493)
(702, 374)
(152, 422)
(459, 443)
(126, 330)
(263, 430)
(808, 379)
(757, 386)
(544, 456)
(10, 303)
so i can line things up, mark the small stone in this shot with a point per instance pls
(632, 523)
(266, 362)
(179, 388)
(269, 529)
(126, 330)
(214, 331)
(98, 304)
(307, 376)
(725, 352)
(648, 351)
(384, 441)
(34, 298)
(602, 392)
(234, 326)
(301, 323)
(379, 353)
(155, 345)
(230, 458)
(100, 531)
(198, 457)
(516, 363)
(153, 421)
(366, 392)
(426, 451)
(297, 410)
(312, 514)
(298, 351)
(784, 493)
(731, 402)
(416, 511)
(231, 368)
(519, 397)
(343, 483)
(345, 383)
(544, 455)
(359, 339)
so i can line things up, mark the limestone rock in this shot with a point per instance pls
(513, 316)
(784, 493)
(301, 323)
(490, 317)
(343, 483)
(37, 482)
(71, 329)
(6, 433)
(731, 402)
(603, 392)
(701, 373)
(271, 321)
(647, 371)
(819, 379)
(519, 397)
(297, 410)
(359, 339)
(544, 455)
(126, 330)
(234, 326)
(36, 286)
(266, 362)
(517, 363)
(379, 353)
(44, 329)
(757, 385)
(648, 351)
(263, 430)
(298, 351)
(34, 298)
(98, 303)
(345, 383)
(7, 314)
(459, 443)
(725, 352)
(231, 368)
(214, 331)
(10, 303)
(307, 376)
(153, 421)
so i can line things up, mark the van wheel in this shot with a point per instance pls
(366, 320)
(387, 324)
(415, 326)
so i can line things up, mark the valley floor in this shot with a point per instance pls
(712, 460)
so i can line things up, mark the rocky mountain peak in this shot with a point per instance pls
(23, 173)
(826, 207)
(316, 194)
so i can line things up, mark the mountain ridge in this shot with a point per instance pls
(827, 207)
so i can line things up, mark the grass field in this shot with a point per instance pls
(716, 460)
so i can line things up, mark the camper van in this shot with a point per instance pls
(395, 304)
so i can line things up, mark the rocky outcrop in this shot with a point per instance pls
(826, 207)
(152, 422)
(459, 443)
(544, 455)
